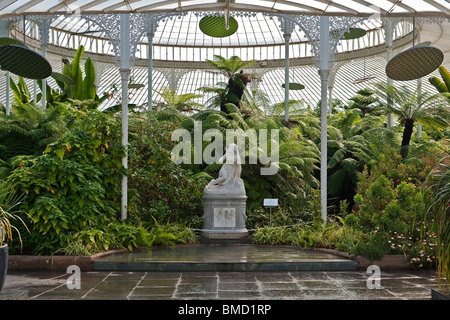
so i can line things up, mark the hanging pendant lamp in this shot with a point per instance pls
(24, 62)
(416, 62)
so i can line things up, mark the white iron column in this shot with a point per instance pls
(330, 84)
(324, 72)
(287, 38)
(44, 24)
(150, 34)
(124, 72)
(419, 127)
(388, 35)
(4, 33)
(8, 103)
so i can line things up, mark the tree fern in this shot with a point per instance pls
(29, 129)
(170, 114)
(411, 107)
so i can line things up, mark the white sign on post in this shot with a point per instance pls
(270, 202)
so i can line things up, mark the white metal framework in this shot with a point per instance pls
(359, 8)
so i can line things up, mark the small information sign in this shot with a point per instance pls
(270, 202)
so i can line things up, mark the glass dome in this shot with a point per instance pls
(180, 48)
(312, 7)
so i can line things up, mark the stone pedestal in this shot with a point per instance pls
(224, 216)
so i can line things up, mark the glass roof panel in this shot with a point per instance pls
(382, 4)
(300, 5)
(420, 5)
(253, 30)
(397, 9)
(102, 5)
(15, 5)
(43, 6)
(329, 7)
(357, 6)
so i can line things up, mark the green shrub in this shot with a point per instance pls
(372, 245)
(73, 186)
(392, 205)
(160, 189)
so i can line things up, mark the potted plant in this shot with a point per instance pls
(7, 218)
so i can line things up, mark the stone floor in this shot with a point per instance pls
(271, 273)
(292, 285)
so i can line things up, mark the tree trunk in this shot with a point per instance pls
(407, 133)
(236, 88)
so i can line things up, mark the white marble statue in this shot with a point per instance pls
(229, 180)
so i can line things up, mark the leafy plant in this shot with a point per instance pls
(438, 192)
(9, 215)
(443, 85)
(364, 102)
(74, 185)
(159, 188)
(20, 91)
(76, 88)
(273, 236)
(29, 129)
(411, 107)
(181, 102)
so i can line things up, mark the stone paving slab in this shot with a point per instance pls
(294, 285)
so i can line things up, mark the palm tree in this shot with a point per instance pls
(411, 107)
(232, 69)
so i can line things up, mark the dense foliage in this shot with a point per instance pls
(388, 188)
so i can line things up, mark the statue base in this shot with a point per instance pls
(224, 216)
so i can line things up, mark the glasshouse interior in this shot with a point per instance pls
(224, 149)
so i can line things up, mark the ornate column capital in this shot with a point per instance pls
(141, 25)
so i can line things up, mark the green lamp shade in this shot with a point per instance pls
(351, 33)
(354, 33)
(294, 86)
(215, 26)
(414, 63)
(24, 62)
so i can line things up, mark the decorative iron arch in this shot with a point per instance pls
(310, 25)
